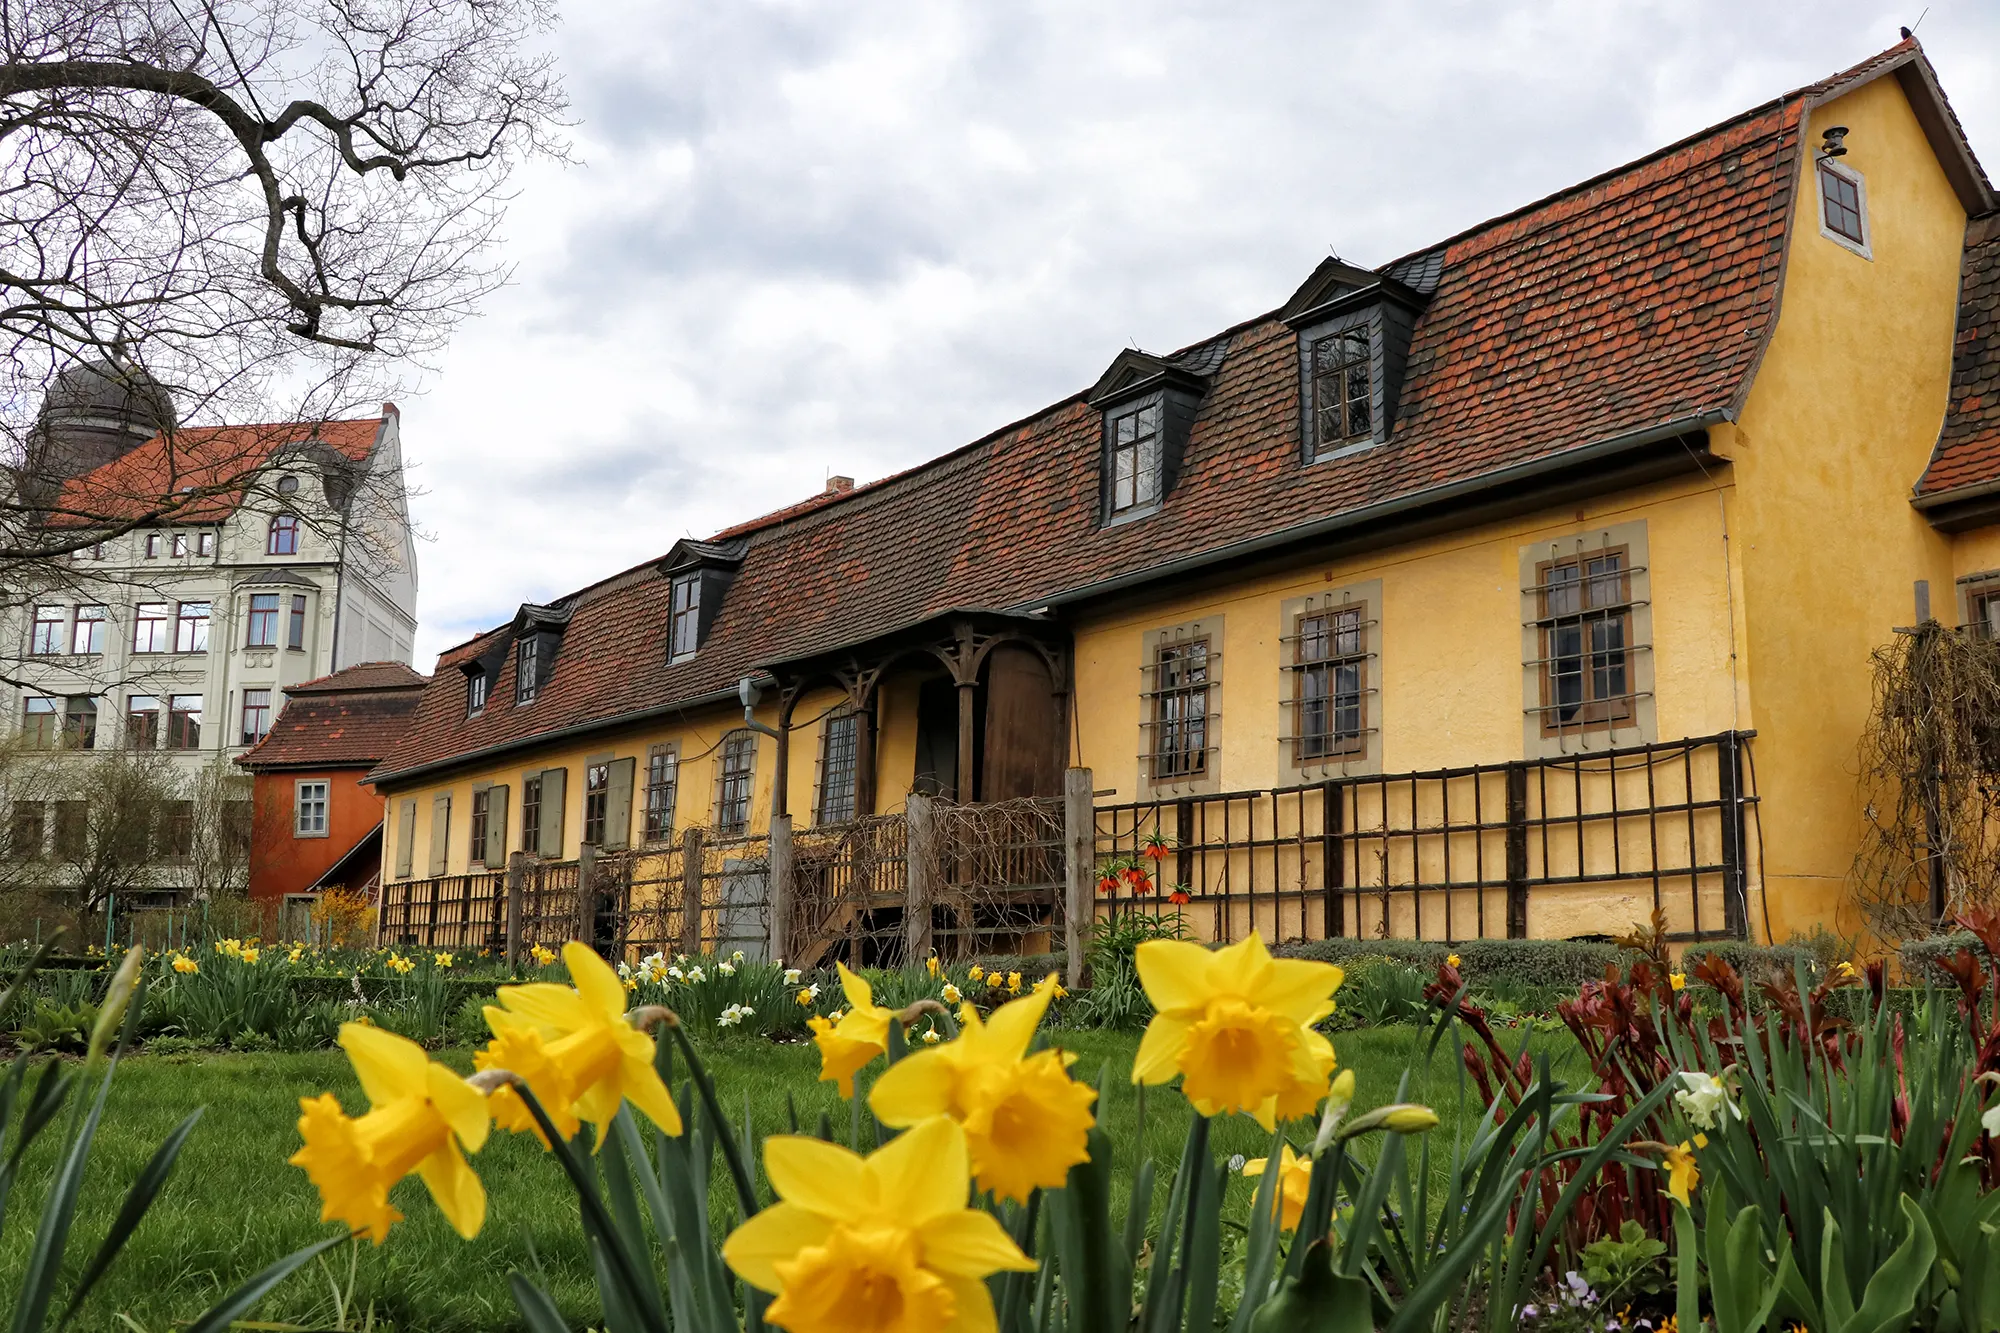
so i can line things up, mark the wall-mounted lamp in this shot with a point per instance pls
(1834, 144)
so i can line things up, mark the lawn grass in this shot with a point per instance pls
(235, 1206)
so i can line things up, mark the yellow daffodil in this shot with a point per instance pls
(1013, 983)
(931, 1037)
(1847, 972)
(951, 994)
(1409, 1119)
(977, 973)
(441, 959)
(931, 965)
(298, 952)
(1236, 1025)
(1682, 1174)
(994, 981)
(542, 955)
(517, 1047)
(249, 956)
(1294, 1178)
(585, 1033)
(185, 965)
(1025, 1119)
(883, 1242)
(1055, 985)
(848, 1040)
(421, 1115)
(1678, 980)
(1451, 960)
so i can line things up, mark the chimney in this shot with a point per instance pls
(839, 485)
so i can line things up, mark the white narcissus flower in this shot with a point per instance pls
(696, 975)
(1991, 1120)
(727, 969)
(1705, 1100)
(792, 975)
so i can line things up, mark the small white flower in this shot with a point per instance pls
(931, 1037)
(1706, 1099)
(736, 957)
(777, 962)
(791, 976)
(951, 995)
(696, 976)
(812, 991)
(726, 968)
(1991, 1120)
(676, 974)
(746, 1010)
(624, 971)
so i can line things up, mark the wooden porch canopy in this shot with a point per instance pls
(1011, 677)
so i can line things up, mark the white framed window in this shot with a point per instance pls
(309, 809)
(1843, 206)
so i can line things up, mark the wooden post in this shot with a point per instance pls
(586, 893)
(691, 875)
(778, 891)
(919, 863)
(517, 868)
(966, 790)
(1517, 851)
(1079, 865)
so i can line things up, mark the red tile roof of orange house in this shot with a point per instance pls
(212, 462)
(1639, 299)
(1968, 448)
(351, 718)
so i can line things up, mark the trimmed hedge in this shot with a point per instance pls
(1920, 958)
(1758, 962)
(1534, 962)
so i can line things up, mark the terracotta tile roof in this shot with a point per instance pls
(1968, 448)
(362, 676)
(1637, 300)
(210, 461)
(350, 719)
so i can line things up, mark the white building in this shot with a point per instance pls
(293, 559)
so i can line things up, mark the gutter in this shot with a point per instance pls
(1938, 499)
(559, 734)
(1390, 508)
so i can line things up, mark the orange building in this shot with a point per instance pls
(314, 824)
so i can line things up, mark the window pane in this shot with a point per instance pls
(1147, 469)
(48, 636)
(184, 722)
(837, 769)
(662, 783)
(150, 628)
(256, 715)
(89, 635)
(142, 722)
(39, 722)
(191, 630)
(263, 620)
(80, 723)
(296, 639)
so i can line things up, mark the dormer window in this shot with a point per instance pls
(527, 669)
(1843, 206)
(1343, 392)
(1135, 458)
(475, 694)
(684, 630)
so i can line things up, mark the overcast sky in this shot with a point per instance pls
(808, 237)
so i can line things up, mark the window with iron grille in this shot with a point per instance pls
(531, 815)
(1841, 209)
(309, 809)
(596, 797)
(838, 747)
(263, 621)
(1136, 470)
(663, 775)
(684, 629)
(191, 628)
(1330, 683)
(1343, 389)
(152, 630)
(1180, 710)
(1586, 640)
(732, 797)
(88, 638)
(482, 804)
(184, 722)
(48, 636)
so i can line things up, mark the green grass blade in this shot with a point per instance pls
(137, 1200)
(240, 1302)
(538, 1312)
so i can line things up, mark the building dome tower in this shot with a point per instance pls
(94, 413)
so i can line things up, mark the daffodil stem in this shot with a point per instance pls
(746, 1189)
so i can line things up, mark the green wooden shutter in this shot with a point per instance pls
(553, 782)
(406, 838)
(618, 805)
(440, 832)
(496, 827)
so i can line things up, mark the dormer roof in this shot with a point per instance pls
(691, 554)
(1133, 372)
(1336, 285)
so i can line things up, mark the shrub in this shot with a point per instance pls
(1566, 963)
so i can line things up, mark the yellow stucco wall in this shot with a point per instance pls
(1840, 420)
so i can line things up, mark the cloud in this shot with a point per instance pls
(809, 238)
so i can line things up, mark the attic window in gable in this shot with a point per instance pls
(527, 669)
(475, 694)
(1355, 328)
(698, 576)
(1148, 405)
(1843, 204)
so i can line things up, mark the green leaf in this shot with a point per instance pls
(1891, 1295)
(538, 1312)
(239, 1302)
(1317, 1300)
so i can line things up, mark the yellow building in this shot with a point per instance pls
(1516, 587)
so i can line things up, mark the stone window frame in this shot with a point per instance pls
(1366, 756)
(1640, 726)
(1152, 783)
